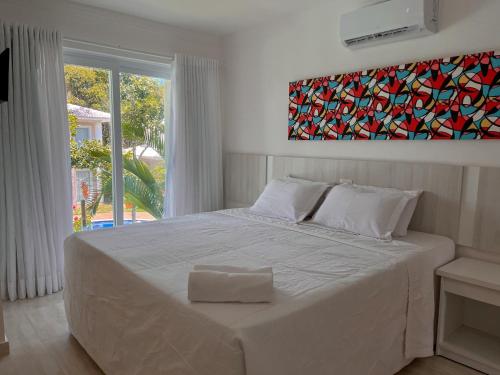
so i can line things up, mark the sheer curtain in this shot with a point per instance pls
(194, 171)
(35, 193)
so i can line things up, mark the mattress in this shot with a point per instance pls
(343, 304)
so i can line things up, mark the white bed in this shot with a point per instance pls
(343, 304)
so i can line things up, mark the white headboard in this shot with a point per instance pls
(459, 202)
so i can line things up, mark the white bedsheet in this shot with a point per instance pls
(343, 304)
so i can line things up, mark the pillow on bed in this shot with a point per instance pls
(289, 198)
(321, 198)
(362, 211)
(404, 221)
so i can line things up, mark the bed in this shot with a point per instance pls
(343, 304)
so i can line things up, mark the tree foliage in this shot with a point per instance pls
(90, 154)
(87, 87)
(142, 107)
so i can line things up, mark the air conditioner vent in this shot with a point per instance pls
(381, 35)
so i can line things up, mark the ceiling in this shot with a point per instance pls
(214, 16)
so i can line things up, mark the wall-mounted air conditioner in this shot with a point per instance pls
(389, 21)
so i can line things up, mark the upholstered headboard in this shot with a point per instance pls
(458, 202)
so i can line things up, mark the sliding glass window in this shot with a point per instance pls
(118, 109)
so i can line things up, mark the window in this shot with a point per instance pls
(82, 134)
(118, 109)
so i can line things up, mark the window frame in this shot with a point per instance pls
(117, 61)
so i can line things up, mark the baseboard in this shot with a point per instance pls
(4, 347)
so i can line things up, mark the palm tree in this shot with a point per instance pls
(139, 184)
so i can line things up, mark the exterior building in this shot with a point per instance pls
(90, 127)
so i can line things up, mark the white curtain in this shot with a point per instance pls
(35, 185)
(194, 171)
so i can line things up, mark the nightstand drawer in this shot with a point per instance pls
(471, 291)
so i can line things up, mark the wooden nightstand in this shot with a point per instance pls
(469, 314)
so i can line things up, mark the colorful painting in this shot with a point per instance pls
(451, 98)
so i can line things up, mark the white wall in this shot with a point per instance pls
(115, 29)
(259, 63)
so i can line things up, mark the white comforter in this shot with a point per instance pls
(343, 304)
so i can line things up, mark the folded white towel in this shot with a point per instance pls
(232, 269)
(214, 286)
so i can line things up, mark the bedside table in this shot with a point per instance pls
(469, 314)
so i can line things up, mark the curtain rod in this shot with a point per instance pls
(74, 43)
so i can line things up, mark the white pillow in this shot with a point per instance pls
(413, 195)
(363, 211)
(289, 198)
(404, 221)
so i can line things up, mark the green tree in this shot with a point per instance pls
(87, 87)
(142, 108)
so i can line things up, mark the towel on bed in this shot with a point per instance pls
(230, 284)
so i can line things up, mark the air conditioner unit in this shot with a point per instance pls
(389, 21)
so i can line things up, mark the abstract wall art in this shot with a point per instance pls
(451, 98)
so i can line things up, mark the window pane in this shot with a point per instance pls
(82, 134)
(89, 120)
(143, 142)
